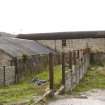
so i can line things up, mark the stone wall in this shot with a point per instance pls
(32, 63)
(77, 71)
(1, 76)
(94, 44)
(98, 58)
(4, 58)
(7, 75)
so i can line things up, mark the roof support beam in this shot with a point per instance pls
(63, 35)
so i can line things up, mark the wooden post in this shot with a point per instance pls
(70, 60)
(16, 70)
(79, 58)
(71, 70)
(4, 76)
(55, 45)
(51, 71)
(75, 65)
(63, 61)
(78, 54)
(63, 68)
(74, 58)
(82, 63)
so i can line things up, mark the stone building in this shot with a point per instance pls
(25, 54)
(19, 57)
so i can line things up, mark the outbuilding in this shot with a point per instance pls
(24, 55)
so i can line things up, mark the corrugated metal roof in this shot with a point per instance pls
(18, 47)
(63, 35)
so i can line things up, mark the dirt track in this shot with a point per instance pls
(93, 97)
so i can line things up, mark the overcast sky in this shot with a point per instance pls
(28, 16)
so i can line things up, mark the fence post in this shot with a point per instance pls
(16, 70)
(80, 64)
(75, 71)
(79, 52)
(76, 66)
(71, 70)
(63, 61)
(70, 60)
(51, 72)
(88, 53)
(74, 57)
(84, 60)
(63, 68)
(4, 81)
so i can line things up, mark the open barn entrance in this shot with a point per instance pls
(72, 68)
(76, 62)
(75, 49)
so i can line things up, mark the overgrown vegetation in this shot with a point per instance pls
(20, 92)
(57, 76)
(95, 78)
(25, 90)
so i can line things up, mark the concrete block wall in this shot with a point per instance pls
(76, 73)
(7, 75)
(1, 75)
(94, 44)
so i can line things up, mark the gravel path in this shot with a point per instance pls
(94, 97)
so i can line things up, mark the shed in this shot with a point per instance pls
(19, 57)
(21, 49)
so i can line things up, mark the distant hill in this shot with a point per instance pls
(4, 34)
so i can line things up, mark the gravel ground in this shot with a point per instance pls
(93, 97)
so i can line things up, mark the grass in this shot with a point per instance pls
(26, 89)
(57, 76)
(21, 91)
(94, 79)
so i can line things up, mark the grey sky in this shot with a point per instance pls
(28, 16)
